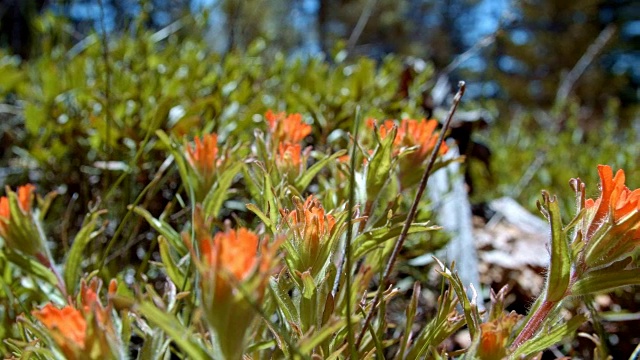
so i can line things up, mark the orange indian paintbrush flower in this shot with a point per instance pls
(235, 269)
(311, 231)
(25, 197)
(289, 155)
(494, 336)
(287, 128)
(204, 159)
(421, 133)
(84, 331)
(19, 228)
(385, 128)
(611, 227)
(291, 160)
(616, 199)
(232, 253)
(67, 322)
(204, 155)
(310, 222)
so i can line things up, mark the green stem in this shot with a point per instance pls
(44, 260)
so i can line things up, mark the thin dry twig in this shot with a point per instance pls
(587, 58)
(107, 81)
(362, 22)
(412, 212)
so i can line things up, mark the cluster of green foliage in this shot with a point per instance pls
(88, 120)
(105, 123)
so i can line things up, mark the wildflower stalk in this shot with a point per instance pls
(535, 321)
(347, 254)
(412, 212)
(607, 233)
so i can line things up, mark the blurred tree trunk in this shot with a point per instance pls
(323, 17)
(16, 30)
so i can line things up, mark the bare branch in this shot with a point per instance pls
(587, 58)
(412, 212)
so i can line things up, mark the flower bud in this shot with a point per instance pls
(286, 128)
(18, 226)
(311, 234)
(84, 331)
(611, 226)
(204, 161)
(234, 274)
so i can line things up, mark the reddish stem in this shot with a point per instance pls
(534, 323)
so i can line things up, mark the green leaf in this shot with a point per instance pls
(605, 280)
(174, 272)
(285, 305)
(305, 178)
(380, 165)
(546, 339)
(308, 285)
(470, 309)
(31, 266)
(163, 229)
(219, 192)
(410, 317)
(251, 183)
(560, 266)
(264, 345)
(265, 219)
(369, 240)
(72, 266)
(269, 199)
(174, 329)
(308, 344)
(178, 157)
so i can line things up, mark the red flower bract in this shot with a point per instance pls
(289, 155)
(234, 251)
(611, 227)
(24, 199)
(615, 197)
(287, 128)
(203, 156)
(68, 321)
(419, 133)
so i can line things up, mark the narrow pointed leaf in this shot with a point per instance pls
(308, 285)
(72, 267)
(31, 266)
(219, 192)
(547, 339)
(321, 335)
(305, 178)
(380, 165)
(265, 219)
(163, 229)
(410, 316)
(560, 265)
(174, 329)
(605, 281)
(269, 199)
(174, 272)
(284, 301)
(369, 240)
